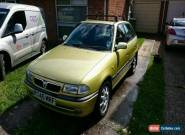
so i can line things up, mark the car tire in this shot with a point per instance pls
(103, 100)
(2, 68)
(43, 47)
(133, 66)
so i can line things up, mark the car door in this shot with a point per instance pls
(19, 42)
(122, 54)
(130, 39)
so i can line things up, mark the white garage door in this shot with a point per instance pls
(147, 16)
(176, 8)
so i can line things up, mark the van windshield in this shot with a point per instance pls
(3, 14)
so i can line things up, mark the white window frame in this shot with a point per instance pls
(70, 24)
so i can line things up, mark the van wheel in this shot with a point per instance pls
(2, 68)
(103, 100)
(133, 66)
(43, 48)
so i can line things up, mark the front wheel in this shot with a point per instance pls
(103, 100)
(2, 68)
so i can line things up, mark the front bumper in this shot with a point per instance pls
(73, 106)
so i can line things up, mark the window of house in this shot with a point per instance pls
(69, 14)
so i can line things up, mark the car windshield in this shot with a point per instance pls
(91, 36)
(179, 22)
(3, 14)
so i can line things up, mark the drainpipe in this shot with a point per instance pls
(163, 15)
(105, 7)
(130, 9)
(165, 10)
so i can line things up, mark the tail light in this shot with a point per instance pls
(171, 31)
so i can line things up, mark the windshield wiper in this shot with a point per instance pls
(98, 48)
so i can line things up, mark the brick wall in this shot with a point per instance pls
(50, 15)
(95, 6)
(116, 7)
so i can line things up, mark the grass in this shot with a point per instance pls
(140, 41)
(149, 107)
(12, 89)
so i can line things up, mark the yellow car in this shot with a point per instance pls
(76, 77)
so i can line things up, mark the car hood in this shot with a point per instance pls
(66, 64)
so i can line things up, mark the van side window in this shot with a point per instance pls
(120, 35)
(18, 17)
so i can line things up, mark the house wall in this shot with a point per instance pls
(113, 7)
(95, 7)
(116, 7)
(50, 16)
(176, 8)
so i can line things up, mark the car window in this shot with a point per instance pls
(91, 36)
(3, 14)
(178, 23)
(120, 34)
(129, 31)
(18, 17)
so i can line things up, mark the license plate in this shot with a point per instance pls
(44, 97)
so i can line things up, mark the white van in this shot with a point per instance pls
(22, 34)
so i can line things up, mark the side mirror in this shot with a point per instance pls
(121, 45)
(18, 28)
(64, 37)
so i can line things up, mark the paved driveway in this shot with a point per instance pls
(118, 115)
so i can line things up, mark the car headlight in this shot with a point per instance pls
(28, 75)
(75, 89)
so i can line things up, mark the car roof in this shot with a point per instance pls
(18, 6)
(103, 22)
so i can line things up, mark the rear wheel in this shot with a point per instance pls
(2, 68)
(103, 100)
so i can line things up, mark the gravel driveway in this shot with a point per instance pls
(174, 64)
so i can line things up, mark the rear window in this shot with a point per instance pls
(178, 22)
(3, 14)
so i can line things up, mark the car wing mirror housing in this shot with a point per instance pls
(18, 28)
(121, 45)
